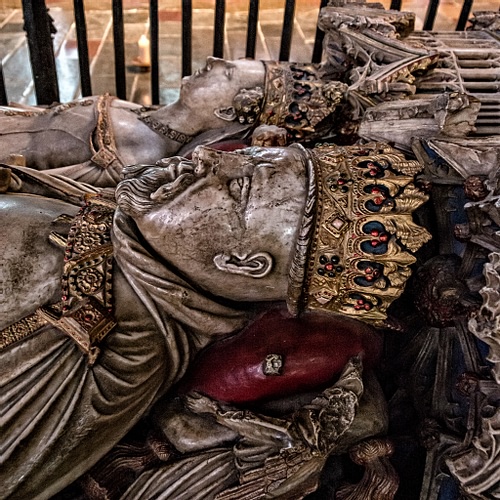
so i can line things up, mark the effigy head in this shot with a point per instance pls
(336, 222)
(357, 237)
(289, 95)
(226, 221)
(209, 92)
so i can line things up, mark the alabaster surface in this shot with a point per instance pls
(284, 285)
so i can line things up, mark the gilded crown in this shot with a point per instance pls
(295, 97)
(358, 235)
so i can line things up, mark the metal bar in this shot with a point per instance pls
(83, 48)
(464, 15)
(286, 34)
(482, 86)
(488, 118)
(43, 65)
(486, 130)
(154, 36)
(430, 16)
(318, 39)
(219, 24)
(3, 94)
(396, 4)
(119, 45)
(187, 35)
(253, 18)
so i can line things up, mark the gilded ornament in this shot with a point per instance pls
(298, 100)
(363, 232)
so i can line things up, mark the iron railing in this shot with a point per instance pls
(38, 28)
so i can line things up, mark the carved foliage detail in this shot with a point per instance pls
(486, 323)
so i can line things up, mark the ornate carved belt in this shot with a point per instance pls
(85, 312)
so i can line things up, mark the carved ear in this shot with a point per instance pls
(228, 114)
(256, 265)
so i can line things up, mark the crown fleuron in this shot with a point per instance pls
(299, 100)
(362, 236)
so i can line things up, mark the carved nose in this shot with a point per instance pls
(214, 60)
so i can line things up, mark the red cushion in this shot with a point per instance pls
(314, 349)
(229, 145)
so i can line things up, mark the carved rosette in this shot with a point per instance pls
(86, 309)
(360, 252)
(89, 253)
(485, 325)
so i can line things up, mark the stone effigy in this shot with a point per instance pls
(124, 316)
(228, 223)
(92, 139)
(100, 135)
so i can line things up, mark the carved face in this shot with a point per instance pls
(226, 221)
(215, 86)
(474, 188)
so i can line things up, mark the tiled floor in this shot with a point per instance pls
(14, 52)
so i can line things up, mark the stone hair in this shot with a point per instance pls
(297, 271)
(146, 186)
(133, 194)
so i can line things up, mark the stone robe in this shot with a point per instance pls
(58, 415)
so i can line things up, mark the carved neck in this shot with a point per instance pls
(176, 118)
(171, 147)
